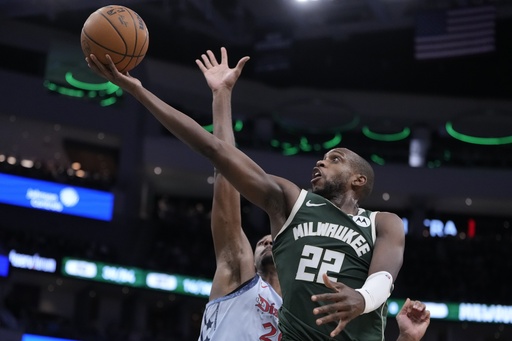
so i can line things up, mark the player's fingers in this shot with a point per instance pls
(339, 317)
(94, 59)
(406, 307)
(201, 65)
(241, 62)
(206, 61)
(341, 325)
(224, 55)
(327, 319)
(328, 282)
(418, 305)
(111, 65)
(333, 308)
(90, 63)
(212, 58)
(97, 65)
(333, 297)
(328, 296)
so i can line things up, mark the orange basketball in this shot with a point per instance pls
(117, 31)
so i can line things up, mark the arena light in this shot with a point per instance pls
(418, 147)
(304, 144)
(495, 141)
(332, 142)
(73, 92)
(108, 87)
(135, 277)
(108, 101)
(237, 126)
(401, 135)
(378, 159)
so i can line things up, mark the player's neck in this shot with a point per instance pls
(347, 202)
(350, 208)
(269, 275)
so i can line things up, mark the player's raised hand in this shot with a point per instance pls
(220, 75)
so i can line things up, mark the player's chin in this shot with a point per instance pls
(316, 182)
(267, 259)
(315, 188)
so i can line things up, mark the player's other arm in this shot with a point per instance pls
(346, 303)
(233, 252)
(387, 260)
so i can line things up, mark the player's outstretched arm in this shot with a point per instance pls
(233, 252)
(273, 194)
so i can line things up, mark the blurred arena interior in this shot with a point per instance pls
(436, 126)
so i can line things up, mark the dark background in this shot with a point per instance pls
(334, 68)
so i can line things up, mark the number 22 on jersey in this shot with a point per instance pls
(316, 261)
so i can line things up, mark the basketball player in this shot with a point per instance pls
(320, 236)
(245, 287)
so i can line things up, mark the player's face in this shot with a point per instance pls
(263, 252)
(333, 173)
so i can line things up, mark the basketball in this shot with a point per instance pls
(117, 31)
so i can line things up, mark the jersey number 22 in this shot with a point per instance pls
(316, 261)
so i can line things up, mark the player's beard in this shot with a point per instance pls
(330, 189)
(267, 260)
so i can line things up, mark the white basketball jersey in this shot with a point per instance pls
(249, 313)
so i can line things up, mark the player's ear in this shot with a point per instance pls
(359, 180)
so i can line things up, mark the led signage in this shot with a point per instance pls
(55, 197)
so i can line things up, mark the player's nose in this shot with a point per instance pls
(320, 163)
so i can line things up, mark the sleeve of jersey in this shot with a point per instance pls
(376, 290)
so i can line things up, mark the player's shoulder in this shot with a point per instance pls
(386, 215)
(384, 219)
